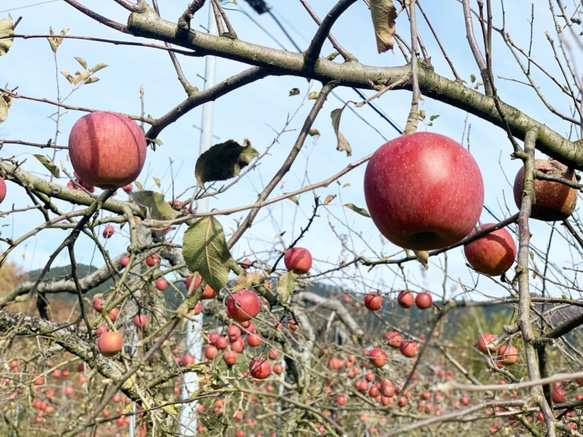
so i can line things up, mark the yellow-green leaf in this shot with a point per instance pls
(157, 182)
(342, 142)
(383, 14)
(154, 205)
(286, 285)
(357, 209)
(329, 198)
(98, 67)
(81, 61)
(313, 95)
(56, 42)
(5, 103)
(6, 29)
(50, 165)
(205, 251)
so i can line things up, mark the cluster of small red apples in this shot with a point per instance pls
(424, 191)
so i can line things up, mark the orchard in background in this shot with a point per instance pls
(351, 259)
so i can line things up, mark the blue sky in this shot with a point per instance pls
(258, 112)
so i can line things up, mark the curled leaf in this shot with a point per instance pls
(343, 143)
(286, 285)
(205, 251)
(357, 209)
(6, 29)
(55, 42)
(49, 165)
(223, 161)
(383, 14)
(154, 205)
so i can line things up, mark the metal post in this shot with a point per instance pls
(188, 418)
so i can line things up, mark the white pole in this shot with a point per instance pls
(194, 326)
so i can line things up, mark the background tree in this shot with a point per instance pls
(314, 357)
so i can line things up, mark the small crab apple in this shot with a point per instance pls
(394, 339)
(259, 368)
(409, 348)
(423, 300)
(161, 284)
(140, 320)
(108, 231)
(377, 357)
(110, 343)
(484, 343)
(187, 359)
(124, 261)
(405, 299)
(153, 260)
(230, 357)
(298, 260)
(373, 301)
(211, 352)
(242, 305)
(507, 354)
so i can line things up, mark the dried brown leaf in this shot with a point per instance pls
(383, 14)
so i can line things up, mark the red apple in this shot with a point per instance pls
(238, 345)
(465, 400)
(409, 348)
(187, 359)
(423, 191)
(98, 304)
(2, 190)
(230, 357)
(298, 260)
(507, 354)
(140, 320)
(373, 301)
(161, 284)
(558, 395)
(484, 343)
(233, 332)
(273, 354)
(340, 400)
(110, 343)
(553, 200)
(211, 352)
(377, 357)
(190, 286)
(259, 368)
(128, 188)
(423, 300)
(124, 261)
(492, 254)
(107, 150)
(220, 342)
(394, 339)
(153, 260)
(108, 231)
(242, 305)
(254, 340)
(405, 299)
(208, 293)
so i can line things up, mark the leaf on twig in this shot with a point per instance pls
(343, 143)
(383, 14)
(56, 42)
(6, 29)
(223, 161)
(154, 205)
(5, 103)
(205, 251)
(49, 165)
(329, 198)
(286, 285)
(357, 209)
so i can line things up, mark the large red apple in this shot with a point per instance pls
(492, 254)
(110, 343)
(259, 368)
(2, 190)
(373, 301)
(298, 260)
(242, 305)
(423, 191)
(553, 200)
(107, 149)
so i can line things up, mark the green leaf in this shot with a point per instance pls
(81, 61)
(56, 42)
(205, 251)
(50, 165)
(154, 205)
(223, 161)
(286, 285)
(342, 144)
(357, 209)
(6, 29)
